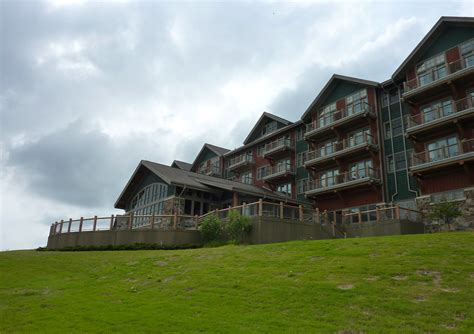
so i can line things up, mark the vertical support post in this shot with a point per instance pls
(196, 221)
(95, 224)
(301, 212)
(61, 227)
(318, 218)
(359, 217)
(69, 226)
(244, 208)
(333, 229)
(130, 221)
(175, 220)
(281, 210)
(153, 221)
(80, 224)
(111, 222)
(397, 211)
(260, 207)
(377, 215)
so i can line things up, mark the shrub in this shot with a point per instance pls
(446, 212)
(237, 226)
(211, 229)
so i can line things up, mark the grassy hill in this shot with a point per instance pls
(409, 284)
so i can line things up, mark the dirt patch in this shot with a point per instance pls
(399, 278)
(161, 263)
(345, 286)
(436, 275)
(372, 278)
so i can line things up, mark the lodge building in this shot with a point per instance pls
(359, 145)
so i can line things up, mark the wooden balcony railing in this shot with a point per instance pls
(213, 169)
(436, 74)
(361, 139)
(327, 120)
(241, 160)
(441, 112)
(343, 178)
(442, 153)
(279, 169)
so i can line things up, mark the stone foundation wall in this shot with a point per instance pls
(466, 221)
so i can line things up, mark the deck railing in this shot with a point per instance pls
(359, 139)
(441, 112)
(212, 169)
(327, 120)
(442, 153)
(437, 74)
(241, 159)
(283, 211)
(277, 145)
(342, 178)
(279, 169)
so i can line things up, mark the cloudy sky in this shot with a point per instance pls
(89, 88)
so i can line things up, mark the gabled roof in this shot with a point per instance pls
(219, 151)
(329, 87)
(181, 165)
(264, 116)
(440, 26)
(183, 178)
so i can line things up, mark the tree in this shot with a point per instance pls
(211, 229)
(237, 226)
(446, 212)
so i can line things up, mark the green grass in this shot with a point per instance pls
(402, 284)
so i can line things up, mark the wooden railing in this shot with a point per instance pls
(271, 171)
(344, 177)
(443, 152)
(359, 139)
(327, 120)
(240, 159)
(440, 112)
(436, 74)
(277, 145)
(212, 169)
(331, 220)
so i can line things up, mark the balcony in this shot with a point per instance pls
(277, 148)
(423, 124)
(279, 173)
(347, 148)
(344, 181)
(347, 117)
(433, 82)
(241, 162)
(211, 170)
(442, 157)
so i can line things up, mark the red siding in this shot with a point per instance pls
(452, 55)
(449, 181)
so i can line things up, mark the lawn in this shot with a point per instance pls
(399, 284)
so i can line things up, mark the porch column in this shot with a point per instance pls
(235, 199)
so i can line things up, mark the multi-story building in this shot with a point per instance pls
(360, 144)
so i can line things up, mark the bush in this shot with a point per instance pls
(446, 212)
(211, 229)
(238, 226)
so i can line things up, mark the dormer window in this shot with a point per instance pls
(269, 128)
(431, 69)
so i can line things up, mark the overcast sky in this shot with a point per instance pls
(88, 89)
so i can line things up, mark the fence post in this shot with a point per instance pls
(175, 220)
(111, 222)
(196, 221)
(69, 226)
(61, 227)
(377, 214)
(260, 207)
(318, 220)
(244, 209)
(153, 221)
(333, 229)
(397, 211)
(80, 224)
(130, 221)
(359, 217)
(300, 212)
(281, 210)
(95, 223)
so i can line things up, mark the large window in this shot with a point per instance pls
(467, 52)
(356, 102)
(149, 194)
(328, 178)
(442, 148)
(448, 196)
(397, 128)
(361, 169)
(326, 148)
(283, 165)
(300, 134)
(431, 69)
(437, 110)
(301, 186)
(285, 189)
(326, 115)
(269, 128)
(246, 178)
(301, 158)
(261, 172)
(359, 137)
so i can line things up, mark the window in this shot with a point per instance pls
(150, 193)
(261, 172)
(260, 150)
(283, 165)
(361, 169)
(301, 158)
(397, 127)
(356, 102)
(328, 178)
(467, 52)
(449, 196)
(300, 134)
(326, 115)
(437, 110)
(400, 161)
(393, 96)
(359, 137)
(269, 128)
(443, 148)
(431, 69)
(285, 189)
(327, 148)
(387, 130)
(246, 178)
(384, 100)
(390, 164)
(301, 186)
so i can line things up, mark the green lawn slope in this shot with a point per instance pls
(400, 284)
